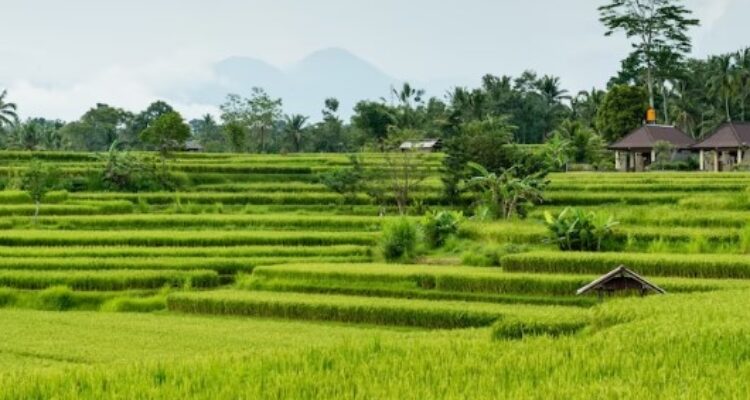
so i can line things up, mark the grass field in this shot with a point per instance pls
(253, 280)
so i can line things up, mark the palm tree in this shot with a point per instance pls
(549, 88)
(294, 127)
(407, 96)
(722, 83)
(8, 114)
(585, 105)
(743, 79)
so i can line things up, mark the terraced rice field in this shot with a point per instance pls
(255, 281)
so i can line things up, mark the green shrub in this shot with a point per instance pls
(57, 298)
(132, 304)
(577, 230)
(438, 226)
(489, 255)
(399, 240)
(7, 297)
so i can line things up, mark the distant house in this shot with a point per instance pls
(636, 150)
(193, 146)
(621, 279)
(725, 148)
(427, 145)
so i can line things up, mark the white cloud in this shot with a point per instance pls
(130, 88)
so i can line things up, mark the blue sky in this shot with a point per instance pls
(59, 57)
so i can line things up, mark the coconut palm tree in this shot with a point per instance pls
(722, 83)
(549, 88)
(8, 114)
(743, 79)
(294, 128)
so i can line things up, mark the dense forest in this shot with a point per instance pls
(696, 95)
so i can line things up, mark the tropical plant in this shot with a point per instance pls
(578, 230)
(557, 152)
(8, 115)
(167, 133)
(506, 194)
(37, 181)
(399, 240)
(438, 226)
(654, 26)
(294, 127)
(348, 181)
(722, 83)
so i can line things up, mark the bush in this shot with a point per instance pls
(129, 304)
(58, 298)
(399, 240)
(439, 226)
(577, 230)
(490, 255)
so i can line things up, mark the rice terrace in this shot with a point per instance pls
(502, 240)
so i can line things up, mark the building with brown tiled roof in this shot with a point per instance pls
(725, 148)
(636, 150)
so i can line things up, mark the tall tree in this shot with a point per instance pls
(97, 129)
(723, 82)
(652, 26)
(236, 136)
(295, 127)
(208, 132)
(144, 119)
(258, 113)
(167, 133)
(264, 112)
(743, 80)
(623, 110)
(375, 120)
(8, 115)
(585, 105)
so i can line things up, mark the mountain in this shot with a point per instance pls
(303, 86)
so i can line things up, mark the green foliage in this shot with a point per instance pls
(58, 298)
(167, 133)
(490, 255)
(346, 181)
(623, 109)
(128, 172)
(257, 114)
(131, 304)
(97, 129)
(578, 230)
(375, 119)
(399, 240)
(438, 226)
(37, 181)
(506, 194)
(236, 136)
(658, 30)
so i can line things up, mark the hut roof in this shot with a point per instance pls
(729, 135)
(421, 144)
(616, 277)
(193, 145)
(646, 137)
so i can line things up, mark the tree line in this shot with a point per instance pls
(694, 94)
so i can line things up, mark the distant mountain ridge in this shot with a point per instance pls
(303, 86)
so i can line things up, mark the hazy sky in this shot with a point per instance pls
(60, 57)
